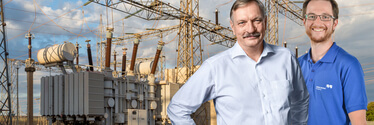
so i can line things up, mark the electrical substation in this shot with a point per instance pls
(140, 93)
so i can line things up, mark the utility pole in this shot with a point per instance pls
(17, 66)
(30, 69)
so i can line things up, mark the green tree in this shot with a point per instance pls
(370, 112)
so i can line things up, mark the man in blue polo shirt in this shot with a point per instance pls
(334, 78)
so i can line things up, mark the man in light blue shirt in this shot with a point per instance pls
(252, 83)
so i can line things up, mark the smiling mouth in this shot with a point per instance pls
(318, 29)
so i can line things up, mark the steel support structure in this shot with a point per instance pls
(271, 36)
(5, 102)
(284, 7)
(189, 44)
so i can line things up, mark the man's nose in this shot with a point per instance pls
(250, 28)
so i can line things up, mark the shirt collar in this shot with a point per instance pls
(238, 51)
(329, 56)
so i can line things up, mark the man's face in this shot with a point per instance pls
(318, 30)
(248, 25)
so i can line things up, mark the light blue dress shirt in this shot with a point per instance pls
(268, 92)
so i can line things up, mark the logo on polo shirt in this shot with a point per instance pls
(320, 88)
(328, 86)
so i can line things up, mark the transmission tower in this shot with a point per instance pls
(5, 102)
(285, 7)
(189, 44)
(272, 22)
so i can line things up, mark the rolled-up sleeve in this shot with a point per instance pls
(197, 90)
(299, 97)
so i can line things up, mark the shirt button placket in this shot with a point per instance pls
(263, 90)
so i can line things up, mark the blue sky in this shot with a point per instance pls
(354, 32)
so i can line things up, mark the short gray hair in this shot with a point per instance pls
(239, 3)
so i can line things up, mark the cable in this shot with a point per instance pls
(106, 13)
(224, 4)
(369, 71)
(34, 17)
(42, 14)
(56, 23)
(357, 14)
(82, 24)
(368, 68)
(7, 2)
(45, 23)
(284, 29)
(41, 23)
(367, 64)
(25, 55)
(40, 32)
(172, 39)
(157, 20)
(365, 4)
(112, 15)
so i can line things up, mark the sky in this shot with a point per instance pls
(353, 33)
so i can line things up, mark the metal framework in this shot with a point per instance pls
(272, 22)
(291, 11)
(5, 102)
(284, 7)
(189, 44)
(12, 66)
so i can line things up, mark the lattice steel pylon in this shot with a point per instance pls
(5, 102)
(189, 44)
(271, 36)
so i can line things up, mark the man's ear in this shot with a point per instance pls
(335, 24)
(304, 21)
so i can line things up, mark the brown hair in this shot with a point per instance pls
(240, 3)
(335, 8)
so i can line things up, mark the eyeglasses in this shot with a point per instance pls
(313, 17)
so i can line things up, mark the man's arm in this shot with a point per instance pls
(358, 117)
(299, 97)
(197, 90)
(355, 99)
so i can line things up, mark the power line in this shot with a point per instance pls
(45, 23)
(56, 23)
(359, 5)
(47, 14)
(41, 32)
(357, 14)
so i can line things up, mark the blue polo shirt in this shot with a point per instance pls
(336, 86)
